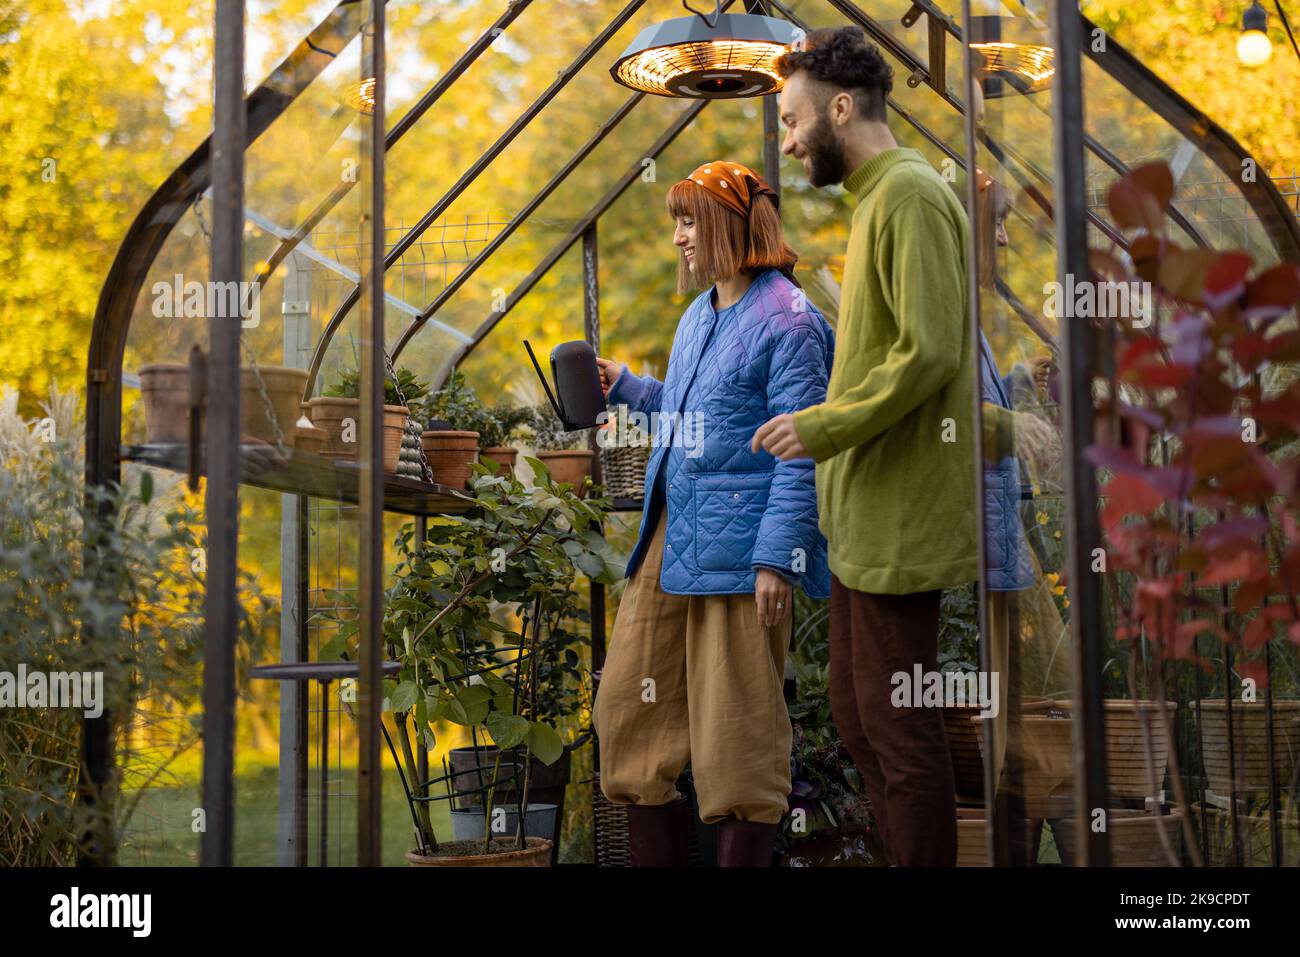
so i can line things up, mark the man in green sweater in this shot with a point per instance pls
(894, 441)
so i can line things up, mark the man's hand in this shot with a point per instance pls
(772, 593)
(779, 437)
(609, 373)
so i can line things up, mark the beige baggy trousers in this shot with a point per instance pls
(694, 678)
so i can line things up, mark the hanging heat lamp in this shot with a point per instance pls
(1253, 46)
(1012, 62)
(723, 56)
(361, 96)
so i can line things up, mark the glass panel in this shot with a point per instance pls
(1026, 601)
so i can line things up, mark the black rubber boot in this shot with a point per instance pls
(745, 843)
(656, 834)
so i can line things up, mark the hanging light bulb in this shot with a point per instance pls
(1253, 46)
(730, 55)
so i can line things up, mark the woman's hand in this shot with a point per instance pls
(609, 373)
(773, 594)
(1040, 367)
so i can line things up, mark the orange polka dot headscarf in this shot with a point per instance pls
(731, 184)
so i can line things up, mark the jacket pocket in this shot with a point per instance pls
(726, 509)
(1000, 500)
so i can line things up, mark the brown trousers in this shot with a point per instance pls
(694, 678)
(901, 752)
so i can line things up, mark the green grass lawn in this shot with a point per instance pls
(161, 834)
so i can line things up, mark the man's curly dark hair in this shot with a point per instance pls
(842, 58)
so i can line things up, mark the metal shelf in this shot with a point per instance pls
(319, 477)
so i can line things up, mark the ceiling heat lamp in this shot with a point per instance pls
(723, 56)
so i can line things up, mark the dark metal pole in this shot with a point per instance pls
(995, 824)
(1079, 348)
(371, 493)
(591, 331)
(772, 144)
(222, 458)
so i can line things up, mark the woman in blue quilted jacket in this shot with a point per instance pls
(697, 656)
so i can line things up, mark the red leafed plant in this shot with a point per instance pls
(1202, 503)
(1198, 431)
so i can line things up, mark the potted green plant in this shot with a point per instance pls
(500, 425)
(567, 454)
(518, 548)
(454, 418)
(341, 402)
(830, 816)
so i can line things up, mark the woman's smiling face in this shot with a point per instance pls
(684, 238)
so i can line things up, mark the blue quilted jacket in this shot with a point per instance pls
(730, 510)
(1006, 553)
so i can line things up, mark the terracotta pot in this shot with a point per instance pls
(964, 745)
(310, 439)
(166, 392)
(1134, 838)
(395, 417)
(503, 458)
(284, 388)
(536, 853)
(1250, 756)
(568, 465)
(1126, 748)
(330, 412)
(451, 455)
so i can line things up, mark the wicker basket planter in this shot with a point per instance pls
(1048, 763)
(1250, 743)
(623, 470)
(1134, 838)
(1126, 745)
(972, 838)
(962, 725)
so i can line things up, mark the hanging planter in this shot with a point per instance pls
(269, 401)
(166, 393)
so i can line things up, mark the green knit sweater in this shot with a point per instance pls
(894, 441)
